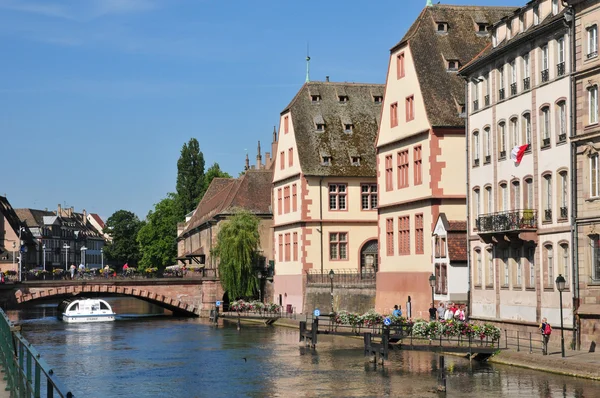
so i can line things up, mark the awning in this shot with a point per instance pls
(197, 256)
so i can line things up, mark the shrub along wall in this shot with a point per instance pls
(351, 299)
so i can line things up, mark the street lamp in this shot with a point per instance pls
(102, 257)
(21, 249)
(44, 249)
(331, 275)
(560, 285)
(259, 275)
(83, 256)
(66, 247)
(432, 284)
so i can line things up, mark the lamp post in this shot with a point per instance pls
(102, 257)
(66, 247)
(331, 275)
(83, 256)
(14, 249)
(259, 275)
(432, 284)
(21, 249)
(560, 285)
(44, 260)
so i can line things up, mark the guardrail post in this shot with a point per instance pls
(315, 331)
(530, 344)
(302, 328)
(505, 339)
(442, 375)
(518, 342)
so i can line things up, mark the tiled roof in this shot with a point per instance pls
(457, 226)
(13, 220)
(444, 91)
(457, 246)
(360, 110)
(34, 218)
(251, 192)
(97, 218)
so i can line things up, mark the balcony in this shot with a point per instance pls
(502, 155)
(592, 54)
(476, 105)
(526, 83)
(501, 94)
(488, 158)
(560, 69)
(562, 137)
(546, 142)
(513, 89)
(486, 100)
(548, 215)
(507, 221)
(545, 75)
(564, 212)
(476, 162)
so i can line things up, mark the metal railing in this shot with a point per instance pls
(341, 277)
(562, 137)
(523, 341)
(548, 215)
(488, 158)
(503, 154)
(545, 75)
(513, 89)
(501, 94)
(512, 220)
(476, 105)
(564, 212)
(560, 69)
(545, 142)
(475, 162)
(25, 372)
(526, 83)
(486, 100)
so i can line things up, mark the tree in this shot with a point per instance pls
(122, 227)
(190, 176)
(157, 238)
(237, 244)
(213, 172)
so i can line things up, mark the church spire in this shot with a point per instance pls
(258, 158)
(274, 134)
(247, 167)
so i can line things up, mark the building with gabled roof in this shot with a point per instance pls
(14, 236)
(421, 145)
(324, 186)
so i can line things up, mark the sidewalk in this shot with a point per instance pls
(575, 363)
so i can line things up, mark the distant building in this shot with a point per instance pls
(421, 146)
(325, 192)
(14, 237)
(98, 223)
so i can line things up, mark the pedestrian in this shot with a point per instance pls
(106, 271)
(396, 312)
(441, 311)
(72, 268)
(449, 314)
(81, 270)
(546, 330)
(459, 314)
(432, 312)
(125, 268)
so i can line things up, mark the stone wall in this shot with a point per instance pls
(352, 299)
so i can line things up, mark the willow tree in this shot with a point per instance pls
(237, 246)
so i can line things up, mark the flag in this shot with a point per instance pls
(517, 153)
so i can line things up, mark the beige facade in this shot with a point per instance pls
(519, 213)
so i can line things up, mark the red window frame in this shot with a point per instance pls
(394, 114)
(389, 232)
(294, 198)
(295, 244)
(404, 235)
(418, 160)
(286, 199)
(335, 241)
(389, 173)
(400, 66)
(403, 168)
(410, 108)
(419, 234)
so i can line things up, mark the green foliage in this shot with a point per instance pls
(190, 176)
(157, 238)
(236, 248)
(213, 172)
(122, 227)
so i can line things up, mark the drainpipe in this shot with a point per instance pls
(468, 195)
(321, 218)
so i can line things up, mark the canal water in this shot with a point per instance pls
(146, 353)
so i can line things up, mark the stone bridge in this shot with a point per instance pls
(182, 296)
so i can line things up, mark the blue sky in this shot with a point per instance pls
(98, 96)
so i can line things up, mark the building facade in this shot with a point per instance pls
(519, 170)
(324, 186)
(421, 146)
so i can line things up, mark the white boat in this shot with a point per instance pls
(78, 309)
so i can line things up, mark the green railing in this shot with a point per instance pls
(26, 374)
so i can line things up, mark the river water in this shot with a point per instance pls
(147, 354)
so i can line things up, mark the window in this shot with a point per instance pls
(338, 246)
(348, 128)
(490, 268)
(478, 268)
(506, 268)
(554, 7)
(516, 195)
(287, 247)
(417, 158)
(286, 199)
(320, 127)
(528, 193)
(488, 200)
(286, 124)
(545, 127)
(389, 173)
(410, 108)
(325, 160)
(279, 201)
(526, 126)
(526, 78)
(343, 98)
(595, 243)
(294, 198)
(513, 78)
(563, 195)
(593, 104)
(502, 139)
(545, 64)
(564, 252)
(400, 66)
(531, 261)
(521, 23)
(592, 41)
(476, 148)
(419, 234)
(562, 122)
(442, 27)
(295, 244)
(404, 235)
(280, 245)
(503, 197)
(369, 196)
(594, 176)
(281, 160)
(560, 66)
(389, 234)
(476, 203)
(481, 27)
(501, 83)
(337, 197)
(290, 157)
(403, 169)
(536, 15)
(355, 160)
(378, 99)
(453, 65)
(547, 198)
(549, 266)
(514, 133)
(315, 98)
(394, 114)
(487, 144)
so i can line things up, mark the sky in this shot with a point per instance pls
(97, 97)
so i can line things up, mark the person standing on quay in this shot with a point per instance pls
(432, 312)
(441, 311)
(546, 330)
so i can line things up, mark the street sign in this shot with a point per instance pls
(317, 312)
(387, 321)
(218, 303)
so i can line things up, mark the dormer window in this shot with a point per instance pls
(343, 98)
(320, 126)
(482, 27)
(536, 15)
(348, 128)
(319, 123)
(442, 27)
(315, 98)
(325, 160)
(453, 65)
(378, 99)
(355, 160)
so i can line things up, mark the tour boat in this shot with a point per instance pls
(78, 309)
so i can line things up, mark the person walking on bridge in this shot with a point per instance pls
(72, 269)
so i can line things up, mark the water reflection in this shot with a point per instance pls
(178, 357)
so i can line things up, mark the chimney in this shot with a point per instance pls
(71, 211)
(84, 215)
(274, 143)
(59, 211)
(267, 160)
(247, 166)
(327, 79)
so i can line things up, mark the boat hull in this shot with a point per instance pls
(88, 318)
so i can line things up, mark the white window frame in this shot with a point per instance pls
(595, 260)
(594, 176)
(513, 71)
(554, 7)
(531, 261)
(593, 104)
(562, 118)
(564, 247)
(476, 145)
(514, 131)
(536, 15)
(545, 60)
(561, 50)
(527, 120)
(592, 41)
(526, 66)
(546, 122)
(550, 257)
(487, 140)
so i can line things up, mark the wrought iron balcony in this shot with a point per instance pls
(545, 75)
(526, 83)
(513, 89)
(502, 154)
(545, 142)
(501, 94)
(507, 221)
(486, 100)
(592, 54)
(560, 69)
(564, 212)
(476, 162)
(476, 105)
(488, 158)
(562, 137)
(547, 215)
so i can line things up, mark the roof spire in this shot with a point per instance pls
(274, 134)
(307, 65)
(429, 4)
(247, 166)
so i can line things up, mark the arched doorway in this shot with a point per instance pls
(368, 259)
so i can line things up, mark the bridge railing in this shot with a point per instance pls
(25, 372)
